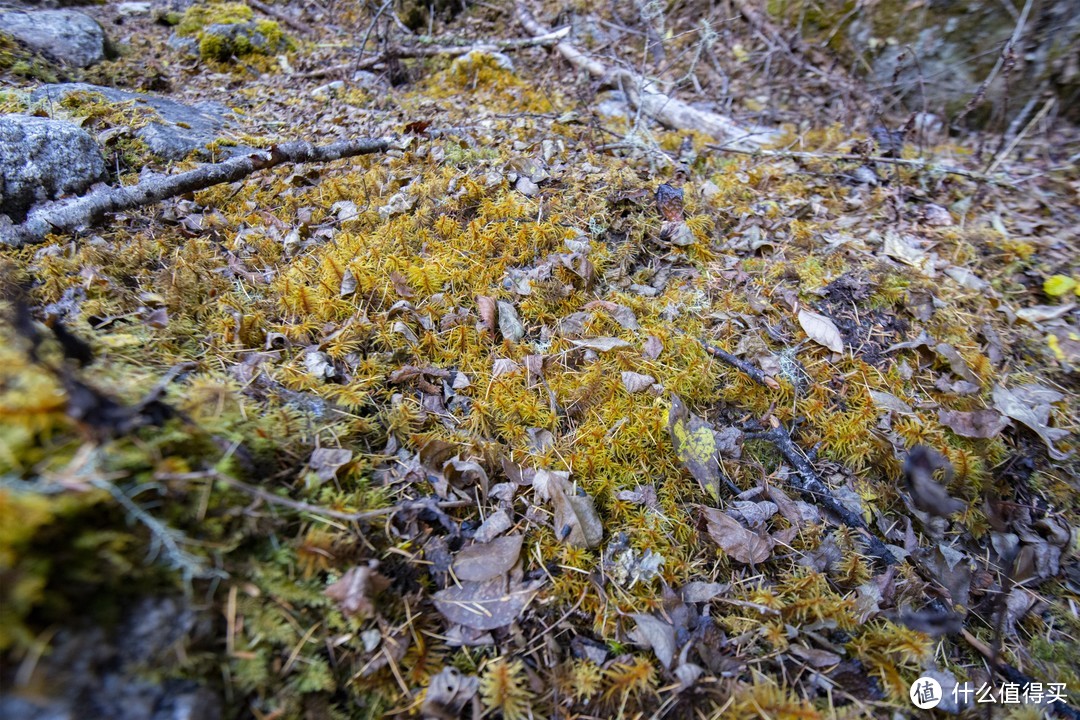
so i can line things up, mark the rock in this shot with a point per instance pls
(476, 58)
(223, 41)
(177, 131)
(66, 36)
(131, 9)
(42, 159)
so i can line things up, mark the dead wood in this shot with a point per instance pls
(644, 95)
(806, 480)
(70, 214)
(417, 51)
(282, 17)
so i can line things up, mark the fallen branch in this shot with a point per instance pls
(755, 374)
(846, 157)
(278, 15)
(648, 100)
(807, 482)
(301, 506)
(416, 51)
(67, 215)
(1011, 674)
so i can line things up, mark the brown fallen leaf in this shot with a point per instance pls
(326, 462)
(699, 446)
(1030, 405)
(739, 543)
(484, 561)
(821, 330)
(447, 694)
(652, 632)
(576, 521)
(977, 424)
(926, 494)
(353, 593)
(487, 605)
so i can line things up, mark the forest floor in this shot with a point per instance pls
(549, 410)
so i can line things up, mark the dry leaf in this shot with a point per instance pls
(1030, 405)
(741, 544)
(447, 694)
(576, 521)
(636, 382)
(821, 330)
(484, 561)
(353, 593)
(485, 606)
(977, 424)
(699, 446)
(654, 633)
(327, 461)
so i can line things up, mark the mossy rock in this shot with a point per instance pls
(227, 30)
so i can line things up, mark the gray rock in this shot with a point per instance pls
(179, 129)
(42, 159)
(66, 36)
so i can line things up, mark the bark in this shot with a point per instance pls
(650, 101)
(67, 215)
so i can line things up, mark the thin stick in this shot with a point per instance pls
(417, 51)
(807, 482)
(67, 215)
(302, 506)
(756, 375)
(646, 98)
(278, 15)
(1061, 709)
(921, 164)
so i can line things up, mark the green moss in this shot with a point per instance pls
(199, 15)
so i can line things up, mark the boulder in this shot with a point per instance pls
(67, 36)
(176, 131)
(42, 159)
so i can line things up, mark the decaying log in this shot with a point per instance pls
(71, 214)
(644, 95)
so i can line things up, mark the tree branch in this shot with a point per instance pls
(67, 215)
(650, 101)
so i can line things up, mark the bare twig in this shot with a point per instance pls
(844, 157)
(301, 506)
(648, 99)
(1061, 709)
(807, 482)
(278, 15)
(67, 215)
(755, 374)
(416, 51)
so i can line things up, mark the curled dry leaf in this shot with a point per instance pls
(353, 593)
(1030, 405)
(636, 382)
(741, 544)
(576, 521)
(484, 561)
(821, 330)
(326, 462)
(447, 694)
(698, 445)
(487, 605)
